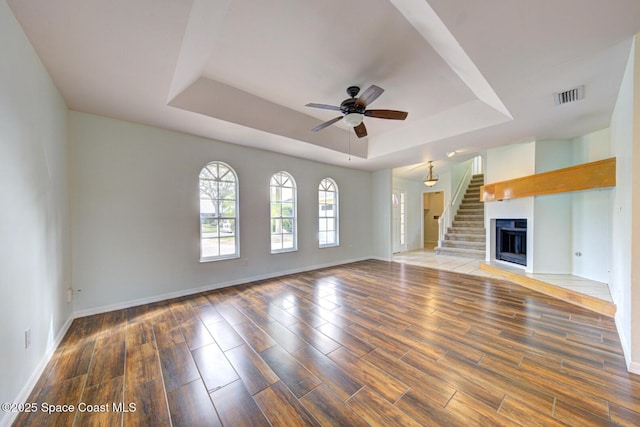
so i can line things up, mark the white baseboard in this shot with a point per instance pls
(211, 287)
(22, 397)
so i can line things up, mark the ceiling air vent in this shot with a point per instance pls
(571, 95)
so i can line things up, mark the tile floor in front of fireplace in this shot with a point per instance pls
(428, 258)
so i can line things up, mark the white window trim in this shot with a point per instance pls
(336, 216)
(295, 216)
(235, 255)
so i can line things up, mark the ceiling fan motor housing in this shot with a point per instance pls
(350, 105)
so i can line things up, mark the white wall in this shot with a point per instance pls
(34, 218)
(381, 244)
(552, 250)
(591, 213)
(625, 233)
(136, 218)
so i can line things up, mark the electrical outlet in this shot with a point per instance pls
(27, 338)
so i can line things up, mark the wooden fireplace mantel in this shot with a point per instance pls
(600, 174)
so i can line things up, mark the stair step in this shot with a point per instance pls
(463, 244)
(465, 217)
(478, 224)
(469, 237)
(461, 252)
(471, 212)
(467, 230)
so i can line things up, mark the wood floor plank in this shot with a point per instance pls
(436, 391)
(379, 412)
(142, 365)
(254, 336)
(195, 333)
(178, 367)
(291, 372)
(383, 383)
(99, 402)
(330, 373)
(215, 369)
(331, 410)
(224, 335)
(236, 407)
(107, 362)
(254, 371)
(477, 412)
(343, 337)
(313, 337)
(74, 361)
(190, 405)
(282, 408)
(150, 403)
(63, 392)
(461, 381)
(283, 336)
(139, 333)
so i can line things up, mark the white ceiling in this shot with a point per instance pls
(471, 74)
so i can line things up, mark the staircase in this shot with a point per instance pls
(466, 237)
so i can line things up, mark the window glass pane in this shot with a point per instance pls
(287, 194)
(209, 247)
(287, 210)
(205, 173)
(276, 210)
(228, 208)
(322, 224)
(287, 241)
(227, 245)
(276, 242)
(276, 194)
(322, 236)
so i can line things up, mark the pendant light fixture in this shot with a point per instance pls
(430, 180)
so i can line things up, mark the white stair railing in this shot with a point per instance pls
(446, 219)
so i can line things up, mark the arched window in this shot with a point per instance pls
(328, 213)
(283, 213)
(218, 212)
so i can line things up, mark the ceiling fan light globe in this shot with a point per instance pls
(353, 119)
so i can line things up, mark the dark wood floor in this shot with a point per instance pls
(369, 343)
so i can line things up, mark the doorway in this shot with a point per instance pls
(433, 205)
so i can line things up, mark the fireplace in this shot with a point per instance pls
(511, 240)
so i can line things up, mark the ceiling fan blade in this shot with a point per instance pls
(325, 124)
(323, 106)
(386, 114)
(360, 130)
(369, 95)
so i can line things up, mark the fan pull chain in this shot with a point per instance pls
(349, 133)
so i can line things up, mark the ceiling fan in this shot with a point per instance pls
(355, 109)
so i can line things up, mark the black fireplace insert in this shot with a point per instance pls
(511, 240)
